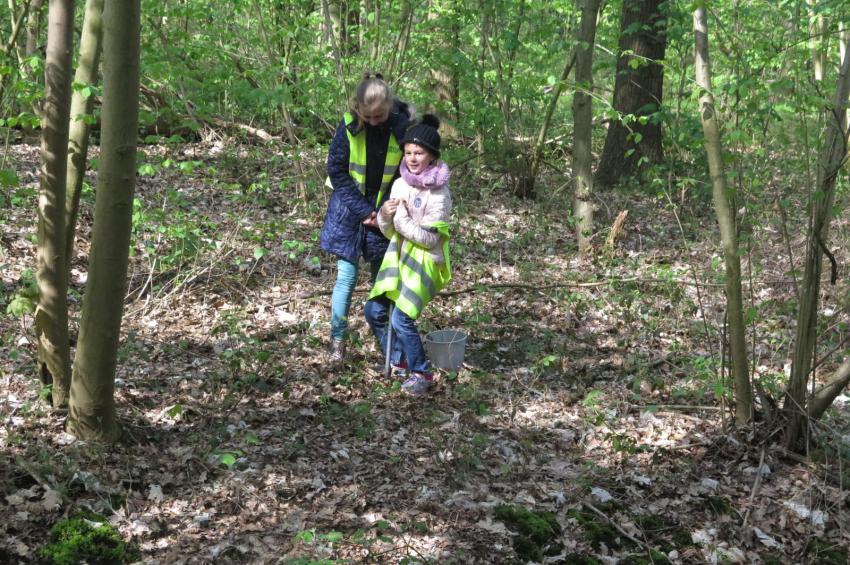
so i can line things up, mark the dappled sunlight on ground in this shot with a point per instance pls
(589, 391)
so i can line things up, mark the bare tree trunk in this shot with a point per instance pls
(817, 42)
(81, 107)
(631, 142)
(51, 315)
(92, 406)
(726, 220)
(33, 27)
(831, 160)
(583, 118)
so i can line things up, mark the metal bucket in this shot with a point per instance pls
(446, 348)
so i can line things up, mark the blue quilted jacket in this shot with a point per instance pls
(343, 234)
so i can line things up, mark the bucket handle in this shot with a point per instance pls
(463, 335)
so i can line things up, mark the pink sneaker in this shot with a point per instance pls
(418, 384)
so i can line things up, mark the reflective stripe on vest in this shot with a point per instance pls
(409, 276)
(357, 160)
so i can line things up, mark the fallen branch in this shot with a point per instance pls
(569, 284)
(756, 486)
(617, 527)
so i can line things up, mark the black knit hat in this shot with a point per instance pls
(425, 134)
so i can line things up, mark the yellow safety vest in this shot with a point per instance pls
(357, 160)
(409, 276)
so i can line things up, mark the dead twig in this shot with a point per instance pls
(753, 492)
(576, 284)
(617, 527)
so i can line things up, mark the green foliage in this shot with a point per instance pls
(822, 551)
(598, 531)
(535, 531)
(87, 538)
(25, 299)
(356, 417)
(380, 532)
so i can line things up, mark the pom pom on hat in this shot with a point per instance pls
(431, 120)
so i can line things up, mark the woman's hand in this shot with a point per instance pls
(372, 220)
(389, 207)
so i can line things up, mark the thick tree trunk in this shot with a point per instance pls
(726, 220)
(583, 119)
(81, 108)
(831, 160)
(92, 406)
(51, 315)
(635, 139)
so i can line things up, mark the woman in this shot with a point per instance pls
(362, 163)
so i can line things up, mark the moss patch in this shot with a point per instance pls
(87, 538)
(535, 531)
(598, 531)
(663, 531)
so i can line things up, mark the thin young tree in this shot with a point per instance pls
(51, 315)
(92, 405)
(82, 103)
(833, 157)
(726, 221)
(634, 139)
(583, 120)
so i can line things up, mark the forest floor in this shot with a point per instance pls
(587, 424)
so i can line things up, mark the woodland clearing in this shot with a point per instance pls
(588, 389)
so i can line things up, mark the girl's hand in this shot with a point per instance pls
(389, 207)
(372, 220)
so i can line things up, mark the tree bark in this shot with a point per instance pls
(830, 162)
(726, 220)
(81, 107)
(51, 315)
(634, 139)
(817, 41)
(33, 27)
(583, 119)
(92, 406)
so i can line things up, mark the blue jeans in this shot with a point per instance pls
(406, 343)
(346, 280)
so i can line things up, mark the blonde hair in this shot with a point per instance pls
(373, 92)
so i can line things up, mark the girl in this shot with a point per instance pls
(362, 163)
(416, 265)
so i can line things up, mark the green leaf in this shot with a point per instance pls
(8, 178)
(260, 252)
(175, 410)
(147, 170)
(306, 536)
(332, 537)
(19, 306)
(252, 439)
(227, 459)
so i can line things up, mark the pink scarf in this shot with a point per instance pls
(436, 175)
